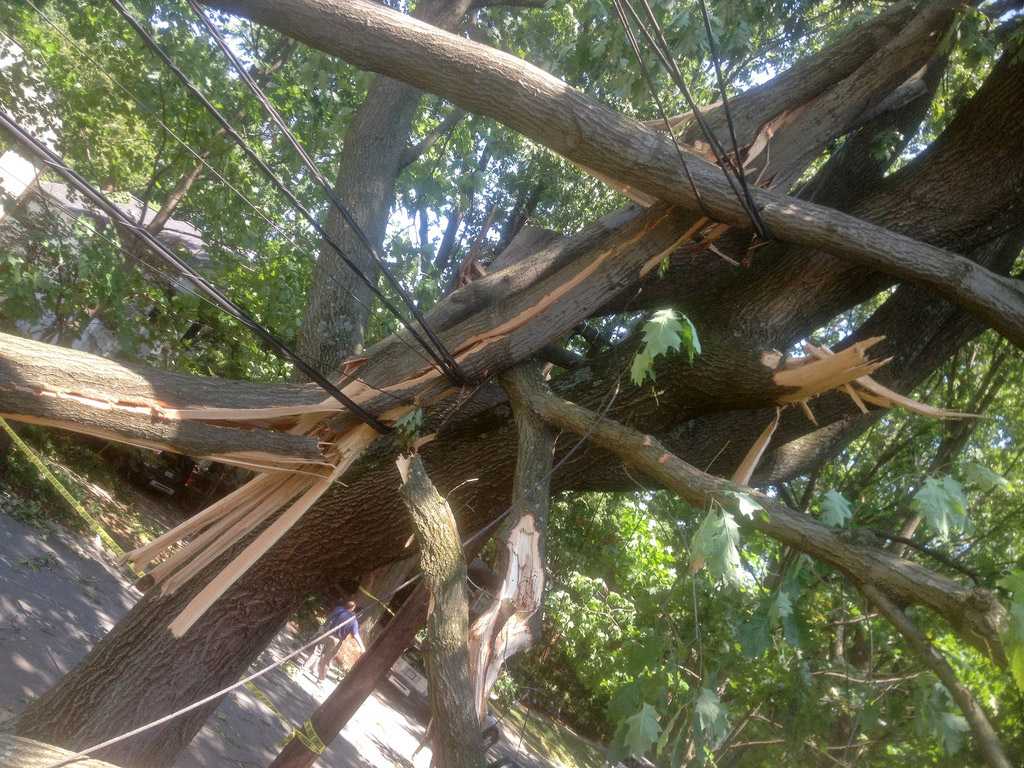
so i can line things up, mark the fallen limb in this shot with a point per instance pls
(59, 387)
(489, 82)
(974, 613)
(456, 731)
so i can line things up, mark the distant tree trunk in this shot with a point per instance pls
(338, 304)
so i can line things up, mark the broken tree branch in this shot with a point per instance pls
(512, 623)
(55, 386)
(974, 613)
(543, 108)
(456, 731)
(414, 153)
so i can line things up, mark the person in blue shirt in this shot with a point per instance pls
(344, 618)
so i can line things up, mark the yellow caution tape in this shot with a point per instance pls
(376, 600)
(307, 735)
(76, 505)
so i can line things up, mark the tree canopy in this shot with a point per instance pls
(862, 606)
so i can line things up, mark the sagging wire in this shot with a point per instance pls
(449, 366)
(194, 705)
(220, 177)
(661, 109)
(272, 178)
(762, 228)
(733, 171)
(228, 306)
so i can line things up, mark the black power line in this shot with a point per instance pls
(278, 184)
(330, 273)
(732, 171)
(115, 214)
(451, 367)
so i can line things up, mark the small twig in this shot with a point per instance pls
(984, 734)
(941, 557)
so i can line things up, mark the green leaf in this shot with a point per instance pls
(667, 731)
(984, 478)
(835, 510)
(711, 717)
(1015, 655)
(1013, 583)
(936, 717)
(644, 655)
(662, 333)
(408, 428)
(715, 544)
(642, 730)
(642, 367)
(690, 340)
(781, 608)
(746, 505)
(943, 505)
(951, 726)
(625, 700)
(755, 634)
(1013, 632)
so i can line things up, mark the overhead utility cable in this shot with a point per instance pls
(451, 366)
(713, 50)
(199, 158)
(115, 214)
(662, 50)
(755, 214)
(661, 109)
(278, 184)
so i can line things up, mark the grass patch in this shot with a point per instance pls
(559, 745)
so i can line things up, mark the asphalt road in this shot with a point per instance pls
(60, 595)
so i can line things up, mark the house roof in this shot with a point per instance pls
(174, 233)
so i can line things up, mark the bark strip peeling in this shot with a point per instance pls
(512, 623)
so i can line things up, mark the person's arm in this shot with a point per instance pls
(359, 640)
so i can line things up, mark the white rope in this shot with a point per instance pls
(87, 752)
